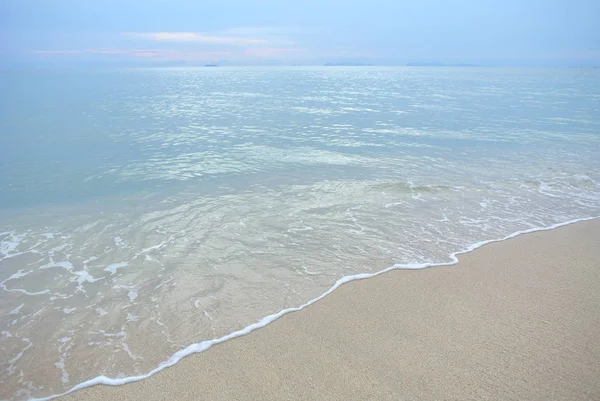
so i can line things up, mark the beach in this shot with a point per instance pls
(178, 217)
(513, 320)
(299, 201)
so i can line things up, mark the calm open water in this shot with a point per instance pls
(144, 210)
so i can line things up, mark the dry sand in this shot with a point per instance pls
(515, 320)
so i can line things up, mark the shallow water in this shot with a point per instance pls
(145, 210)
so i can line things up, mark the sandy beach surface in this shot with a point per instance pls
(514, 320)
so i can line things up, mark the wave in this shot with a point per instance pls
(207, 344)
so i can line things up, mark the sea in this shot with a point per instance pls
(149, 213)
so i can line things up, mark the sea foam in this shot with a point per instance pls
(207, 344)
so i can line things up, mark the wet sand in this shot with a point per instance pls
(513, 320)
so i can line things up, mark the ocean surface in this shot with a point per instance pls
(143, 211)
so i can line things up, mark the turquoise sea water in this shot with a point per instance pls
(144, 210)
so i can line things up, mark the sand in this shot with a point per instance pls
(514, 320)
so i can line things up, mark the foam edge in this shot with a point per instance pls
(205, 345)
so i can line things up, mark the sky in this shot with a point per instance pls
(500, 32)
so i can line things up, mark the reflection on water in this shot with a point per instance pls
(164, 207)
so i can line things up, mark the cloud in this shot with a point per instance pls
(244, 36)
(241, 43)
(198, 38)
(160, 54)
(249, 54)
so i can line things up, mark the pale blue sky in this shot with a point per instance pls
(378, 31)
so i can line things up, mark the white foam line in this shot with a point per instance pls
(204, 345)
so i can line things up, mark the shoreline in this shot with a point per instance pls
(475, 248)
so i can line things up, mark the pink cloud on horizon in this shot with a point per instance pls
(246, 43)
(171, 55)
(162, 54)
(198, 38)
